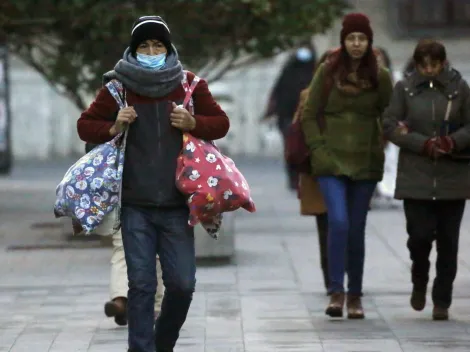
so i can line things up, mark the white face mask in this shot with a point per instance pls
(304, 54)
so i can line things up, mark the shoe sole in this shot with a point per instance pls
(356, 316)
(120, 320)
(334, 312)
(111, 310)
(418, 306)
(440, 318)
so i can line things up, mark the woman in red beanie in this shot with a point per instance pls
(342, 127)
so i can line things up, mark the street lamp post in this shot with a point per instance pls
(5, 121)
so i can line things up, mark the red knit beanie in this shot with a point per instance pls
(356, 22)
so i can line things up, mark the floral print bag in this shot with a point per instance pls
(209, 179)
(90, 192)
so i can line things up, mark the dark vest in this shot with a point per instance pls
(153, 147)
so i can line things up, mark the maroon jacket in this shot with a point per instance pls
(211, 121)
(153, 145)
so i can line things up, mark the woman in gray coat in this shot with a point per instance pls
(429, 119)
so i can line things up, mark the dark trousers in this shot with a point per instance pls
(291, 173)
(322, 229)
(347, 202)
(146, 232)
(426, 221)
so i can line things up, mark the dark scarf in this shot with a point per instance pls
(144, 81)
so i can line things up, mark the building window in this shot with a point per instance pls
(423, 18)
(461, 12)
(435, 13)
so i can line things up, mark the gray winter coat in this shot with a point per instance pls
(422, 107)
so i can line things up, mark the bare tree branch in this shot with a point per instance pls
(204, 71)
(59, 89)
(233, 65)
(5, 21)
(219, 71)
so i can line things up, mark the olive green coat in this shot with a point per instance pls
(352, 144)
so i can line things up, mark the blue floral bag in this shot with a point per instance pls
(90, 192)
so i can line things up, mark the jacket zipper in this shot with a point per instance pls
(159, 131)
(159, 144)
(435, 135)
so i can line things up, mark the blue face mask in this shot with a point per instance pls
(304, 54)
(154, 62)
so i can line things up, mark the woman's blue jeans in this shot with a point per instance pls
(348, 203)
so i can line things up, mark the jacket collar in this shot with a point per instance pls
(447, 81)
(443, 79)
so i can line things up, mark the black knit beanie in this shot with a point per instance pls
(150, 27)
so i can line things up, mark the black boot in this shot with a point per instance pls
(419, 278)
(322, 229)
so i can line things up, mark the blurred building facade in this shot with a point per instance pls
(44, 123)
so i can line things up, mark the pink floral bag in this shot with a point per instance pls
(209, 179)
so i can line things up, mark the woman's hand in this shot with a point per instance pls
(125, 117)
(181, 118)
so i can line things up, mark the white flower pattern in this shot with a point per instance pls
(89, 171)
(98, 160)
(194, 175)
(225, 188)
(90, 188)
(191, 147)
(85, 202)
(211, 158)
(227, 194)
(212, 181)
(97, 183)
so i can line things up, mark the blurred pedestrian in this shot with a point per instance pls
(154, 214)
(294, 77)
(116, 307)
(429, 119)
(347, 152)
(118, 286)
(311, 199)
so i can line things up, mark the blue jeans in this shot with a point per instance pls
(347, 202)
(146, 232)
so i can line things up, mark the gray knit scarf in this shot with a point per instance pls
(144, 81)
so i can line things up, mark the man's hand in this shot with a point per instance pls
(125, 117)
(182, 119)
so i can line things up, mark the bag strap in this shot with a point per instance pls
(118, 92)
(189, 89)
(446, 118)
(448, 110)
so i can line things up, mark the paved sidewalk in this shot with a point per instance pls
(270, 298)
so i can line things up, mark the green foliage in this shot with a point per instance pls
(73, 42)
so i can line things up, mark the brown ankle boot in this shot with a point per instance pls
(418, 297)
(117, 308)
(439, 313)
(335, 307)
(354, 305)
